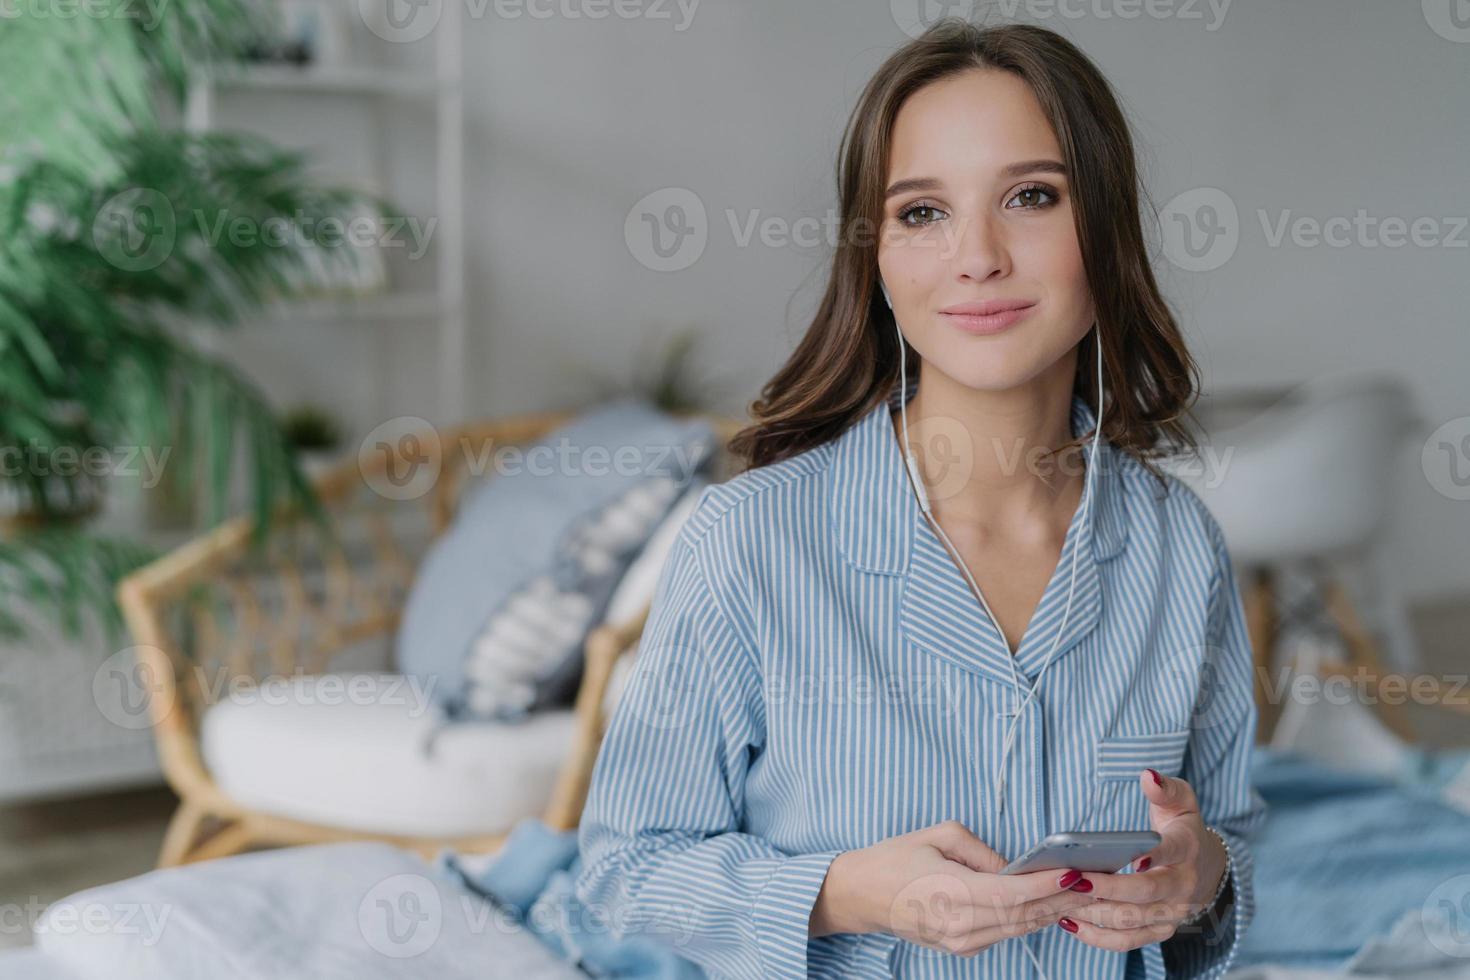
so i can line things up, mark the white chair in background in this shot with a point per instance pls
(1300, 480)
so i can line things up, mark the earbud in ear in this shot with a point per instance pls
(887, 298)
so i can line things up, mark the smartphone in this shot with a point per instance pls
(1105, 851)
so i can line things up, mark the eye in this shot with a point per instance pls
(916, 208)
(1031, 192)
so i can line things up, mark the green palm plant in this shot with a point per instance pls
(112, 258)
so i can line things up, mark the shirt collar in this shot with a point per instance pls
(874, 510)
(879, 528)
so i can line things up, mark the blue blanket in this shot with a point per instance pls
(532, 879)
(1342, 858)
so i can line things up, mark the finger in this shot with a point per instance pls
(1033, 885)
(1156, 884)
(959, 844)
(1123, 916)
(1168, 796)
(990, 935)
(1119, 940)
(1061, 904)
(1029, 918)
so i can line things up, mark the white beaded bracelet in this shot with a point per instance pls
(1225, 877)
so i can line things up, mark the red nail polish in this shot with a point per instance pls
(1144, 863)
(1158, 780)
(1069, 879)
(1067, 924)
(1083, 885)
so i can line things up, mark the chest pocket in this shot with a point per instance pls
(1118, 802)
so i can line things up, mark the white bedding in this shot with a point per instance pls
(357, 911)
(29, 963)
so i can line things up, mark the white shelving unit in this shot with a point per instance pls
(442, 89)
(389, 82)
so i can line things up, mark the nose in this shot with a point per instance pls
(980, 251)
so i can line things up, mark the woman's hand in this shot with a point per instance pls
(1169, 884)
(940, 887)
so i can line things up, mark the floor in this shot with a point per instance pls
(49, 850)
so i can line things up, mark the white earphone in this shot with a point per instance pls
(923, 495)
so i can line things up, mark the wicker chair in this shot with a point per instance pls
(290, 604)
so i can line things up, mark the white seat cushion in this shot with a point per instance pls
(350, 751)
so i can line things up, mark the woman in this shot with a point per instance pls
(864, 687)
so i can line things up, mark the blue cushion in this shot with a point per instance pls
(527, 530)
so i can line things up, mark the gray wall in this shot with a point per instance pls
(1316, 109)
(1313, 108)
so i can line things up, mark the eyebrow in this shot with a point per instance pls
(1010, 172)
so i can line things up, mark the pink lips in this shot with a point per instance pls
(988, 317)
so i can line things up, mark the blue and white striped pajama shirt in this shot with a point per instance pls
(816, 676)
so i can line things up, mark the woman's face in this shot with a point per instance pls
(991, 221)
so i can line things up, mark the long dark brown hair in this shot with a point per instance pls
(848, 360)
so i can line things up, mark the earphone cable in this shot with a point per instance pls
(924, 505)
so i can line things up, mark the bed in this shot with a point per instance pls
(364, 910)
(1357, 875)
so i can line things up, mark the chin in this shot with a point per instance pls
(998, 368)
(995, 378)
